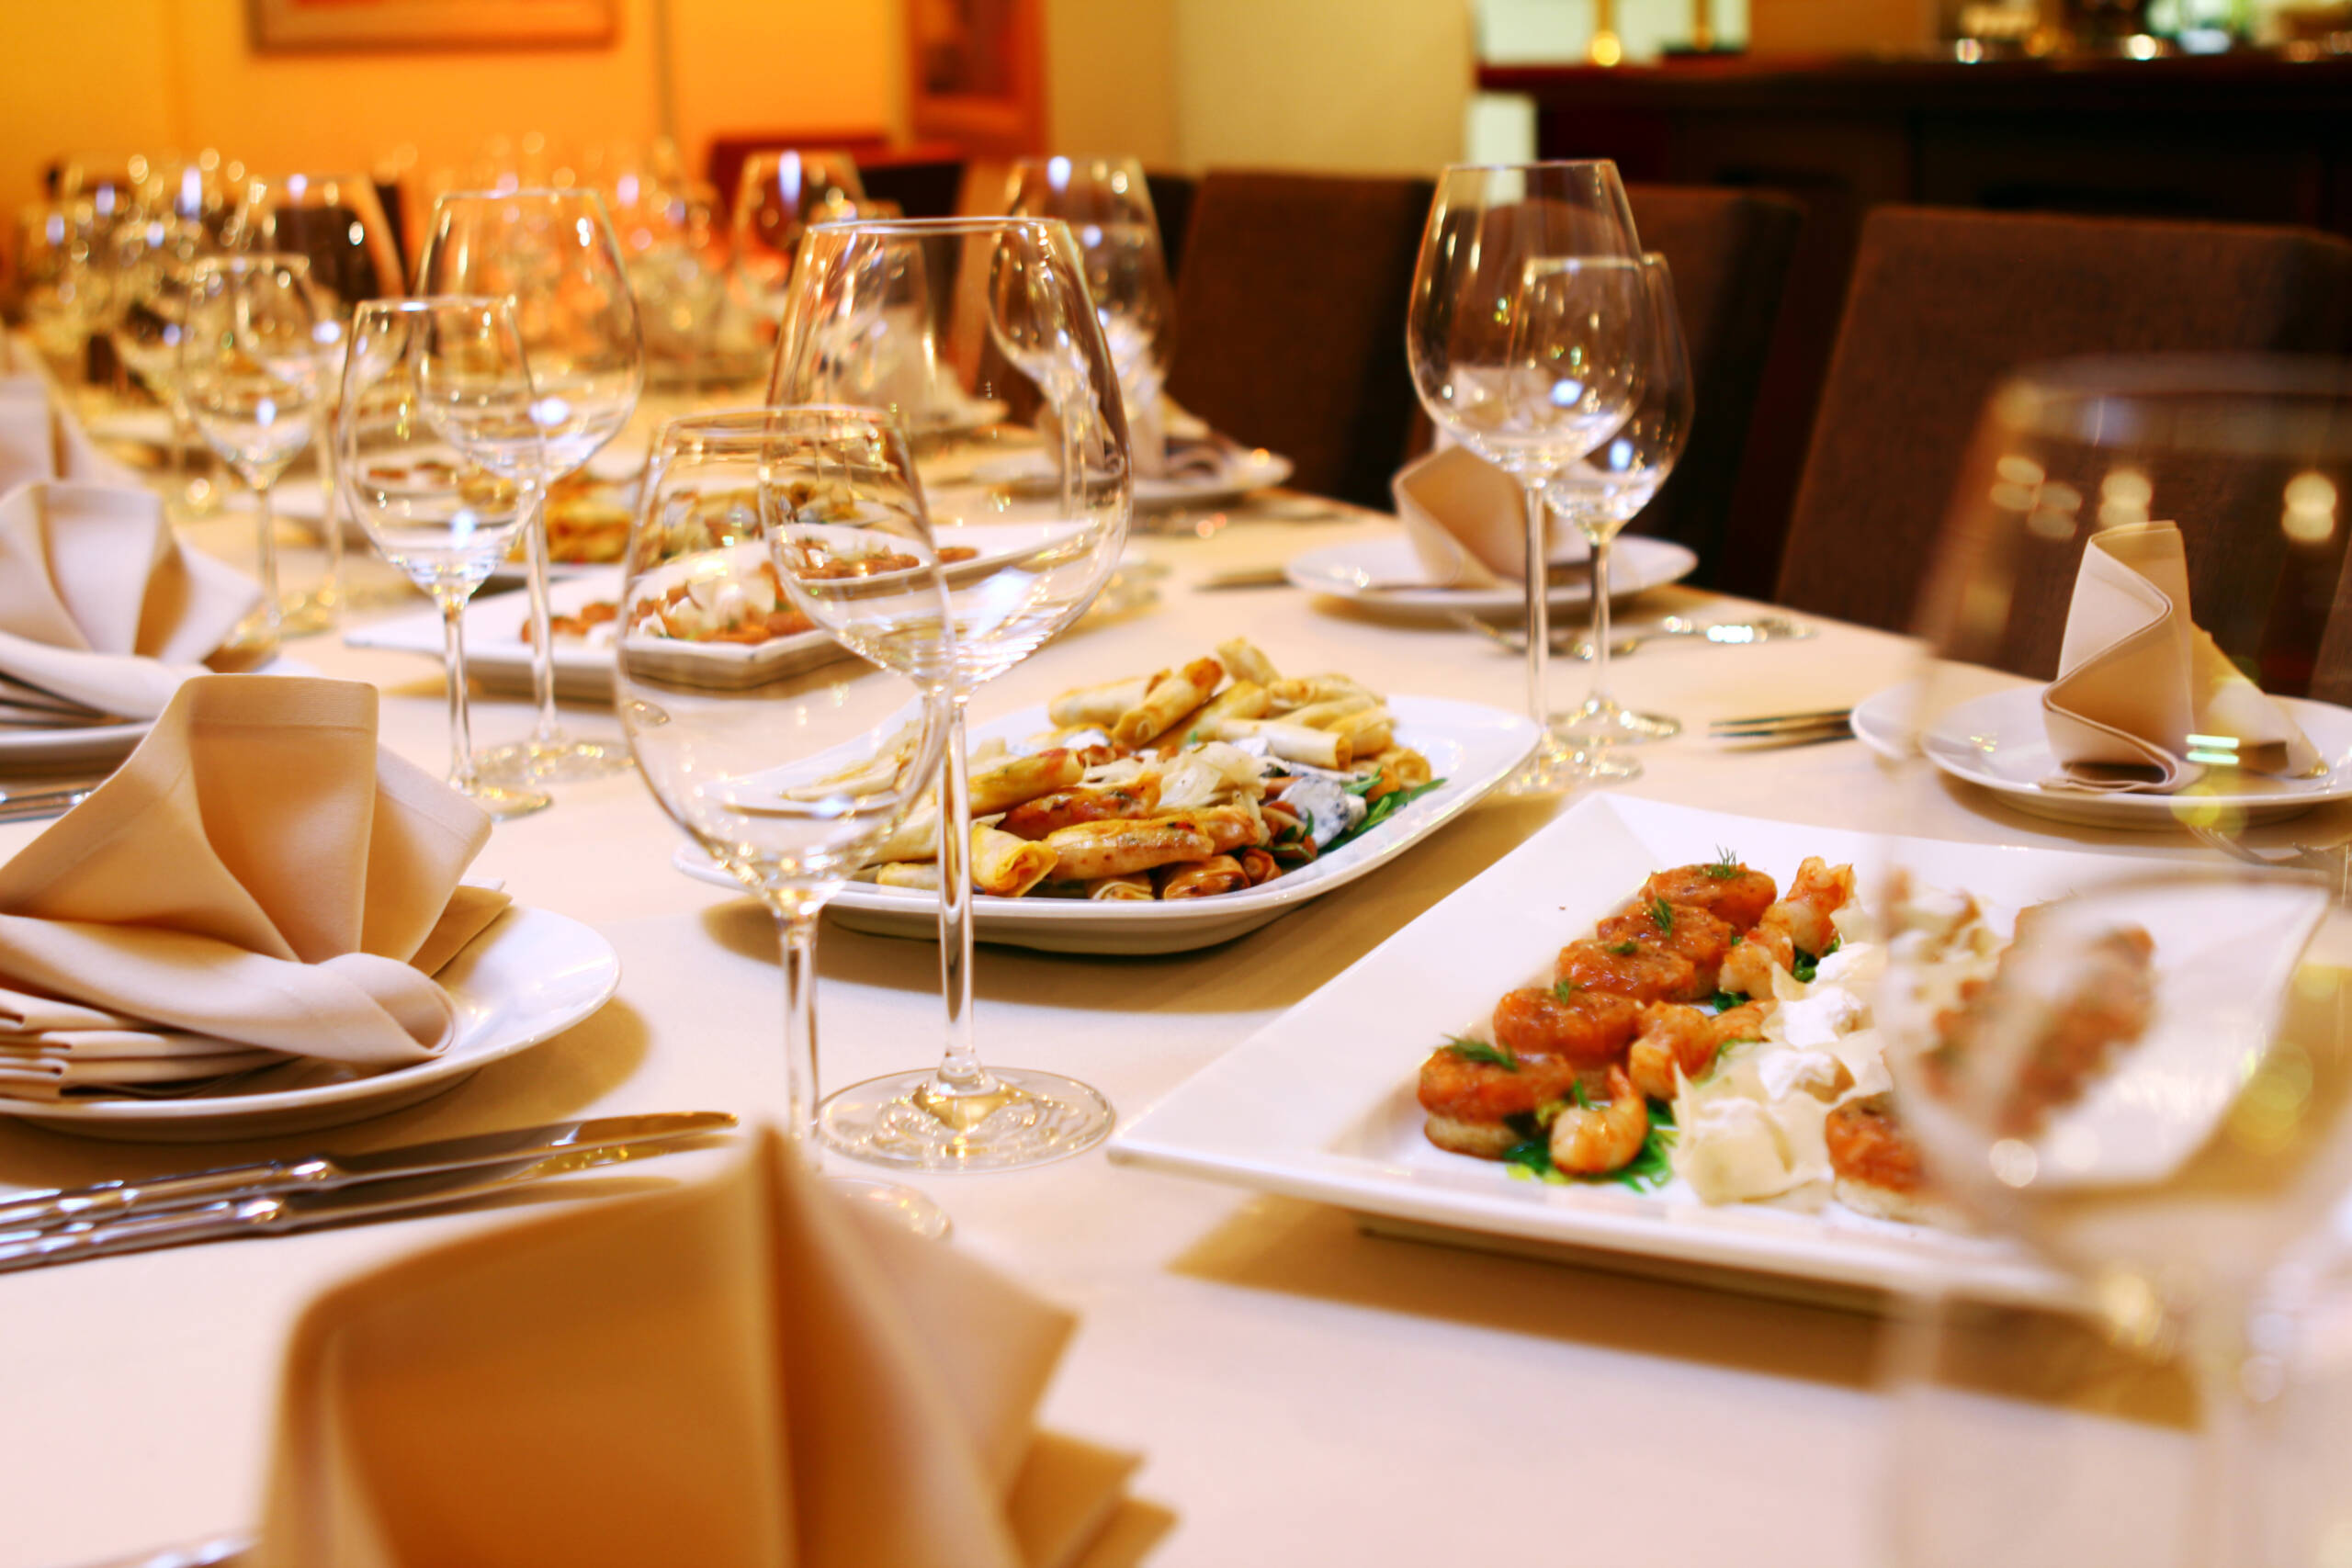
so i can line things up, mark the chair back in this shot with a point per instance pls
(1290, 320)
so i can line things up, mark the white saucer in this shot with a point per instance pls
(1384, 574)
(102, 745)
(1997, 743)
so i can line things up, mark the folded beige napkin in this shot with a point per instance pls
(100, 604)
(1169, 442)
(40, 440)
(749, 1372)
(258, 878)
(1466, 521)
(2137, 680)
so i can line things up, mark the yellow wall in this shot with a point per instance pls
(1109, 78)
(137, 74)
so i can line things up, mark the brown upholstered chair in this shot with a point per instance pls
(1290, 320)
(1172, 208)
(1729, 252)
(1944, 303)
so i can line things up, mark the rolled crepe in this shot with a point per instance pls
(1257, 864)
(922, 875)
(1200, 879)
(1326, 715)
(1035, 819)
(917, 837)
(1243, 699)
(1088, 852)
(1366, 730)
(1025, 778)
(1300, 691)
(1172, 694)
(1229, 827)
(1247, 662)
(1291, 742)
(1134, 885)
(1005, 865)
(1100, 705)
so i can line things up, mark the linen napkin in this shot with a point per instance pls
(749, 1372)
(1466, 521)
(2137, 679)
(40, 440)
(1169, 442)
(99, 604)
(257, 880)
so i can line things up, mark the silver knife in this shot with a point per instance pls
(321, 1173)
(277, 1213)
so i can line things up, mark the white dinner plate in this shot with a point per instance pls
(1249, 468)
(1472, 747)
(1320, 1104)
(97, 746)
(1997, 743)
(1384, 574)
(1884, 721)
(531, 976)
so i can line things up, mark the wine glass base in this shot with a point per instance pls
(506, 802)
(903, 1206)
(903, 1120)
(1602, 721)
(561, 761)
(1558, 767)
(307, 614)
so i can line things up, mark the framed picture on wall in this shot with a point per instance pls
(976, 74)
(430, 24)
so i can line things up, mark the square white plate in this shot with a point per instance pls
(1472, 747)
(1320, 1103)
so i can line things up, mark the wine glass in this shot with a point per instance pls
(249, 369)
(1107, 205)
(1530, 364)
(553, 253)
(788, 783)
(416, 372)
(2147, 1085)
(977, 335)
(155, 320)
(336, 222)
(781, 194)
(1609, 487)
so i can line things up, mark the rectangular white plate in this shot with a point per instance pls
(1319, 1104)
(1472, 747)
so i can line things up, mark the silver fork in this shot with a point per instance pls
(1763, 629)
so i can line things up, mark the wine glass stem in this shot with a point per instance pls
(265, 534)
(2229, 1520)
(796, 933)
(960, 1071)
(452, 601)
(1599, 541)
(1539, 621)
(547, 732)
(330, 590)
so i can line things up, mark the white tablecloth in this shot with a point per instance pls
(1304, 1393)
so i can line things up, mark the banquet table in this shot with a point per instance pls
(1301, 1392)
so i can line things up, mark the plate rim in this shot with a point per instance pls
(1432, 599)
(232, 1108)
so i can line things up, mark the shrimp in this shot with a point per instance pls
(1470, 1101)
(1644, 974)
(1589, 1141)
(1819, 892)
(1686, 1038)
(1683, 929)
(1727, 890)
(1590, 1029)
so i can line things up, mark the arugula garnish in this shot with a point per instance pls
(1650, 1169)
(1563, 989)
(1627, 948)
(1363, 786)
(1736, 939)
(1662, 916)
(1576, 1092)
(1532, 1160)
(1726, 864)
(1809, 964)
(1387, 805)
(1465, 1049)
(1724, 1001)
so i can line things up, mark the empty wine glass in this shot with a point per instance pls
(2146, 1081)
(781, 194)
(978, 336)
(154, 319)
(1608, 488)
(417, 371)
(1107, 204)
(249, 369)
(553, 253)
(1530, 364)
(791, 779)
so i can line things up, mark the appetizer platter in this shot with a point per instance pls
(1757, 1150)
(1170, 811)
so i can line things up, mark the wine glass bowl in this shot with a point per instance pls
(1107, 204)
(781, 194)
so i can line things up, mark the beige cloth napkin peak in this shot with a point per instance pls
(749, 1372)
(39, 441)
(1466, 521)
(258, 874)
(100, 603)
(2137, 678)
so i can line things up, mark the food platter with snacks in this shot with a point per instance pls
(1172, 811)
(1772, 1174)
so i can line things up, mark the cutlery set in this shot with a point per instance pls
(1728, 634)
(280, 1196)
(1808, 728)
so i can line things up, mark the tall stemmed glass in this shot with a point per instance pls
(2152, 1087)
(337, 222)
(979, 331)
(1528, 365)
(153, 322)
(791, 781)
(249, 369)
(781, 194)
(419, 371)
(1608, 490)
(553, 253)
(1107, 204)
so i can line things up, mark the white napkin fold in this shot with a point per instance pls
(748, 1372)
(40, 440)
(98, 602)
(1466, 521)
(2143, 698)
